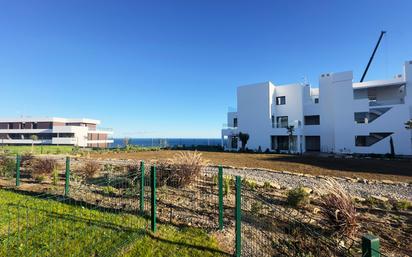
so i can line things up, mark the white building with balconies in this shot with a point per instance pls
(53, 131)
(339, 116)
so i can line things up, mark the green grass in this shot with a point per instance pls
(30, 226)
(37, 149)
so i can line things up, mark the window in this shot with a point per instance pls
(281, 121)
(316, 100)
(371, 139)
(235, 122)
(361, 117)
(280, 100)
(273, 121)
(312, 120)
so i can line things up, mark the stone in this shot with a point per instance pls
(387, 181)
(274, 185)
(380, 198)
(359, 199)
(316, 210)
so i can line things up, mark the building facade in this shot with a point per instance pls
(53, 131)
(339, 116)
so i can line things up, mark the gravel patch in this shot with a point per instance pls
(356, 186)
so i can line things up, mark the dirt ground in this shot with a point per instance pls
(397, 170)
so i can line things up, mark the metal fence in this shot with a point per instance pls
(247, 222)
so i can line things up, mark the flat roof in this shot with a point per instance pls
(379, 83)
(50, 119)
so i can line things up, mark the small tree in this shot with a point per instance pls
(33, 138)
(243, 137)
(392, 146)
(290, 130)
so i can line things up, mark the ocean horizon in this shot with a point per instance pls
(167, 142)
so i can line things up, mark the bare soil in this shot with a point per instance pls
(379, 169)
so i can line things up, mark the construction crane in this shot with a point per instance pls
(373, 55)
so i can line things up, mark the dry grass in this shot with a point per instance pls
(181, 170)
(42, 166)
(337, 208)
(397, 170)
(90, 169)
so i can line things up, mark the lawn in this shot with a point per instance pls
(397, 170)
(37, 149)
(33, 226)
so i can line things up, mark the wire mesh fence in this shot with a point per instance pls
(95, 208)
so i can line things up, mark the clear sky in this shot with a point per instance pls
(171, 68)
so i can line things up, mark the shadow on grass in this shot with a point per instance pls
(96, 222)
(187, 245)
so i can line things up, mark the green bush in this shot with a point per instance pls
(55, 176)
(297, 197)
(226, 185)
(7, 167)
(403, 205)
(40, 178)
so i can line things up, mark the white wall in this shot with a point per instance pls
(253, 110)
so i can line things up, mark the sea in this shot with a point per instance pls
(167, 142)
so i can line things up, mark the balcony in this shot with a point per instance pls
(373, 102)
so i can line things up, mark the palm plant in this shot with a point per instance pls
(291, 130)
(243, 137)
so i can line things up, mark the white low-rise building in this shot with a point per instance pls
(340, 116)
(53, 131)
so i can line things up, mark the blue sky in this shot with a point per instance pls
(171, 68)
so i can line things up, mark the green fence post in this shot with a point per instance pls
(67, 184)
(153, 186)
(18, 170)
(142, 186)
(220, 183)
(238, 216)
(370, 246)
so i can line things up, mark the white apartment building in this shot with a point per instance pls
(53, 131)
(341, 116)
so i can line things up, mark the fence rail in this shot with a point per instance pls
(118, 194)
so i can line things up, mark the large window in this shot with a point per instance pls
(235, 122)
(371, 139)
(280, 100)
(312, 120)
(281, 121)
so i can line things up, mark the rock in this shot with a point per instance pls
(359, 199)
(362, 180)
(380, 198)
(307, 190)
(274, 185)
(387, 181)
(316, 210)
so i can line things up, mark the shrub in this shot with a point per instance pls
(110, 191)
(55, 178)
(403, 205)
(256, 208)
(297, 197)
(337, 208)
(181, 170)
(42, 167)
(7, 167)
(40, 178)
(26, 158)
(266, 185)
(90, 168)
